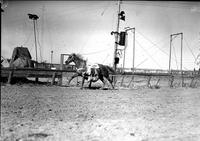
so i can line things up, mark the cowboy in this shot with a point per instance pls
(91, 71)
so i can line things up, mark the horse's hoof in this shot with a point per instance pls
(103, 88)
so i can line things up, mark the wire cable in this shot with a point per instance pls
(189, 48)
(49, 33)
(151, 55)
(96, 52)
(155, 45)
(105, 58)
(141, 62)
(28, 38)
(166, 5)
(152, 42)
(108, 5)
(148, 54)
(175, 56)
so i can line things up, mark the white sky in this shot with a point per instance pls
(84, 27)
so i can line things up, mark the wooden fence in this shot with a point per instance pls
(127, 79)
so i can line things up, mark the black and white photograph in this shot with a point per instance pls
(116, 70)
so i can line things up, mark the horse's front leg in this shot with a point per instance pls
(73, 76)
(90, 84)
(83, 80)
(110, 81)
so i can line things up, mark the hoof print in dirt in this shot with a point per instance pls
(33, 137)
(11, 130)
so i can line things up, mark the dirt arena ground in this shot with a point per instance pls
(52, 113)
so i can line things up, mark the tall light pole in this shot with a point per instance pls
(34, 18)
(51, 58)
(120, 16)
(117, 35)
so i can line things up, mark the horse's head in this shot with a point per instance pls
(70, 59)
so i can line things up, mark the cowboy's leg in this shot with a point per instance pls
(88, 70)
(89, 73)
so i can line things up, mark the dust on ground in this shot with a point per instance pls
(41, 113)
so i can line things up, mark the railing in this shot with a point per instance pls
(33, 72)
(185, 72)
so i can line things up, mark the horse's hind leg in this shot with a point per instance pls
(102, 79)
(108, 78)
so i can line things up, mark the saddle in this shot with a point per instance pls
(92, 72)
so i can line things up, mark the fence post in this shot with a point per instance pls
(122, 80)
(53, 78)
(132, 78)
(157, 82)
(171, 80)
(192, 81)
(148, 82)
(60, 79)
(114, 80)
(10, 76)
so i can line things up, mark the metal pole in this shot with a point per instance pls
(1, 24)
(181, 62)
(126, 39)
(133, 49)
(182, 58)
(36, 65)
(116, 35)
(51, 57)
(170, 53)
(61, 61)
(35, 42)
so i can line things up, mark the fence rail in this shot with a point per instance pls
(33, 72)
(149, 74)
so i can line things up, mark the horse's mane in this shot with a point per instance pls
(79, 56)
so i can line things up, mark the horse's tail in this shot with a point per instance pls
(110, 69)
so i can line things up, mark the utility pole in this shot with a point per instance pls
(52, 58)
(182, 59)
(34, 18)
(117, 35)
(133, 49)
(1, 24)
(170, 52)
(126, 44)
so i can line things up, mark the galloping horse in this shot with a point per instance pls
(91, 73)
